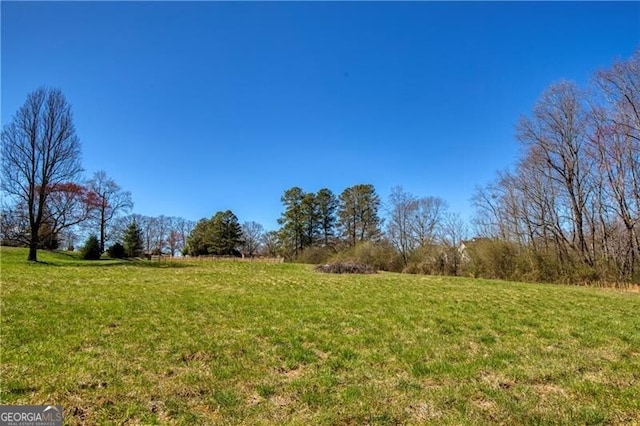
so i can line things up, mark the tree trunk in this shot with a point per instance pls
(33, 249)
(102, 226)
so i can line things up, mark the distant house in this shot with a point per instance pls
(465, 246)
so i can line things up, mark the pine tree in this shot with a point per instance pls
(91, 249)
(311, 217)
(221, 236)
(327, 206)
(292, 220)
(132, 240)
(225, 234)
(358, 214)
(196, 241)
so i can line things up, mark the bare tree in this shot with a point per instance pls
(454, 232)
(159, 234)
(14, 225)
(271, 243)
(174, 241)
(111, 201)
(427, 219)
(615, 148)
(69, 205)
(154, 233)
(401, 210)
(40, 150)
(412, 221)
(252, 233)
(573, 199)
(182, 227)
(555, 142)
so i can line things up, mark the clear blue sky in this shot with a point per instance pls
(205, 106)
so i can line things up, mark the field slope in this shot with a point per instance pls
(196, 342)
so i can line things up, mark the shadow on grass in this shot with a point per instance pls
(69, 254)
(104, 263)
(77, 262)
(158, 264)
(19, 390)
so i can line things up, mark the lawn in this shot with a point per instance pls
(230, 342)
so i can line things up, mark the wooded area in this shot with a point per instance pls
(569, 209)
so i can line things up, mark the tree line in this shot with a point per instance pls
(47, 204)
(405, 233)
(568, 210)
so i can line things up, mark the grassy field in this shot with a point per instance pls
(224, 342)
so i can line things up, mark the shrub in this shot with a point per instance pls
(315, 255)
(428, 260)
(411, 268)
(116, 251)
(379, 255)
(494, 259)
(47, 239)
(346, 268)
(91, 249)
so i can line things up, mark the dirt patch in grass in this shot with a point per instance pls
(485, 404)
(497, 381)
(423, 412)
(549, 389)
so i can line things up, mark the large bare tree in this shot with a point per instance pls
(40, 150)
(615, 146)
(111, 201)
(554, 138)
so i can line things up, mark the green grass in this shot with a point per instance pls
(257, 343)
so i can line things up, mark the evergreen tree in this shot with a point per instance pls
(292, 220)
(196, 241)
(116, 251)
(225, 234)
(358, 214)
(311, 219)
(221, 236)
(308, 220)
(132, 240)
(91, 249)
(327, 206)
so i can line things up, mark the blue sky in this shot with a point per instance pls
(197, 107)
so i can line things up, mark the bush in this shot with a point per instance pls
(346, 268)
(494, 259)
(427, 260)
(116, 251)
(378, 255)
(315, 255)
(47, 240)
(91, 249)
